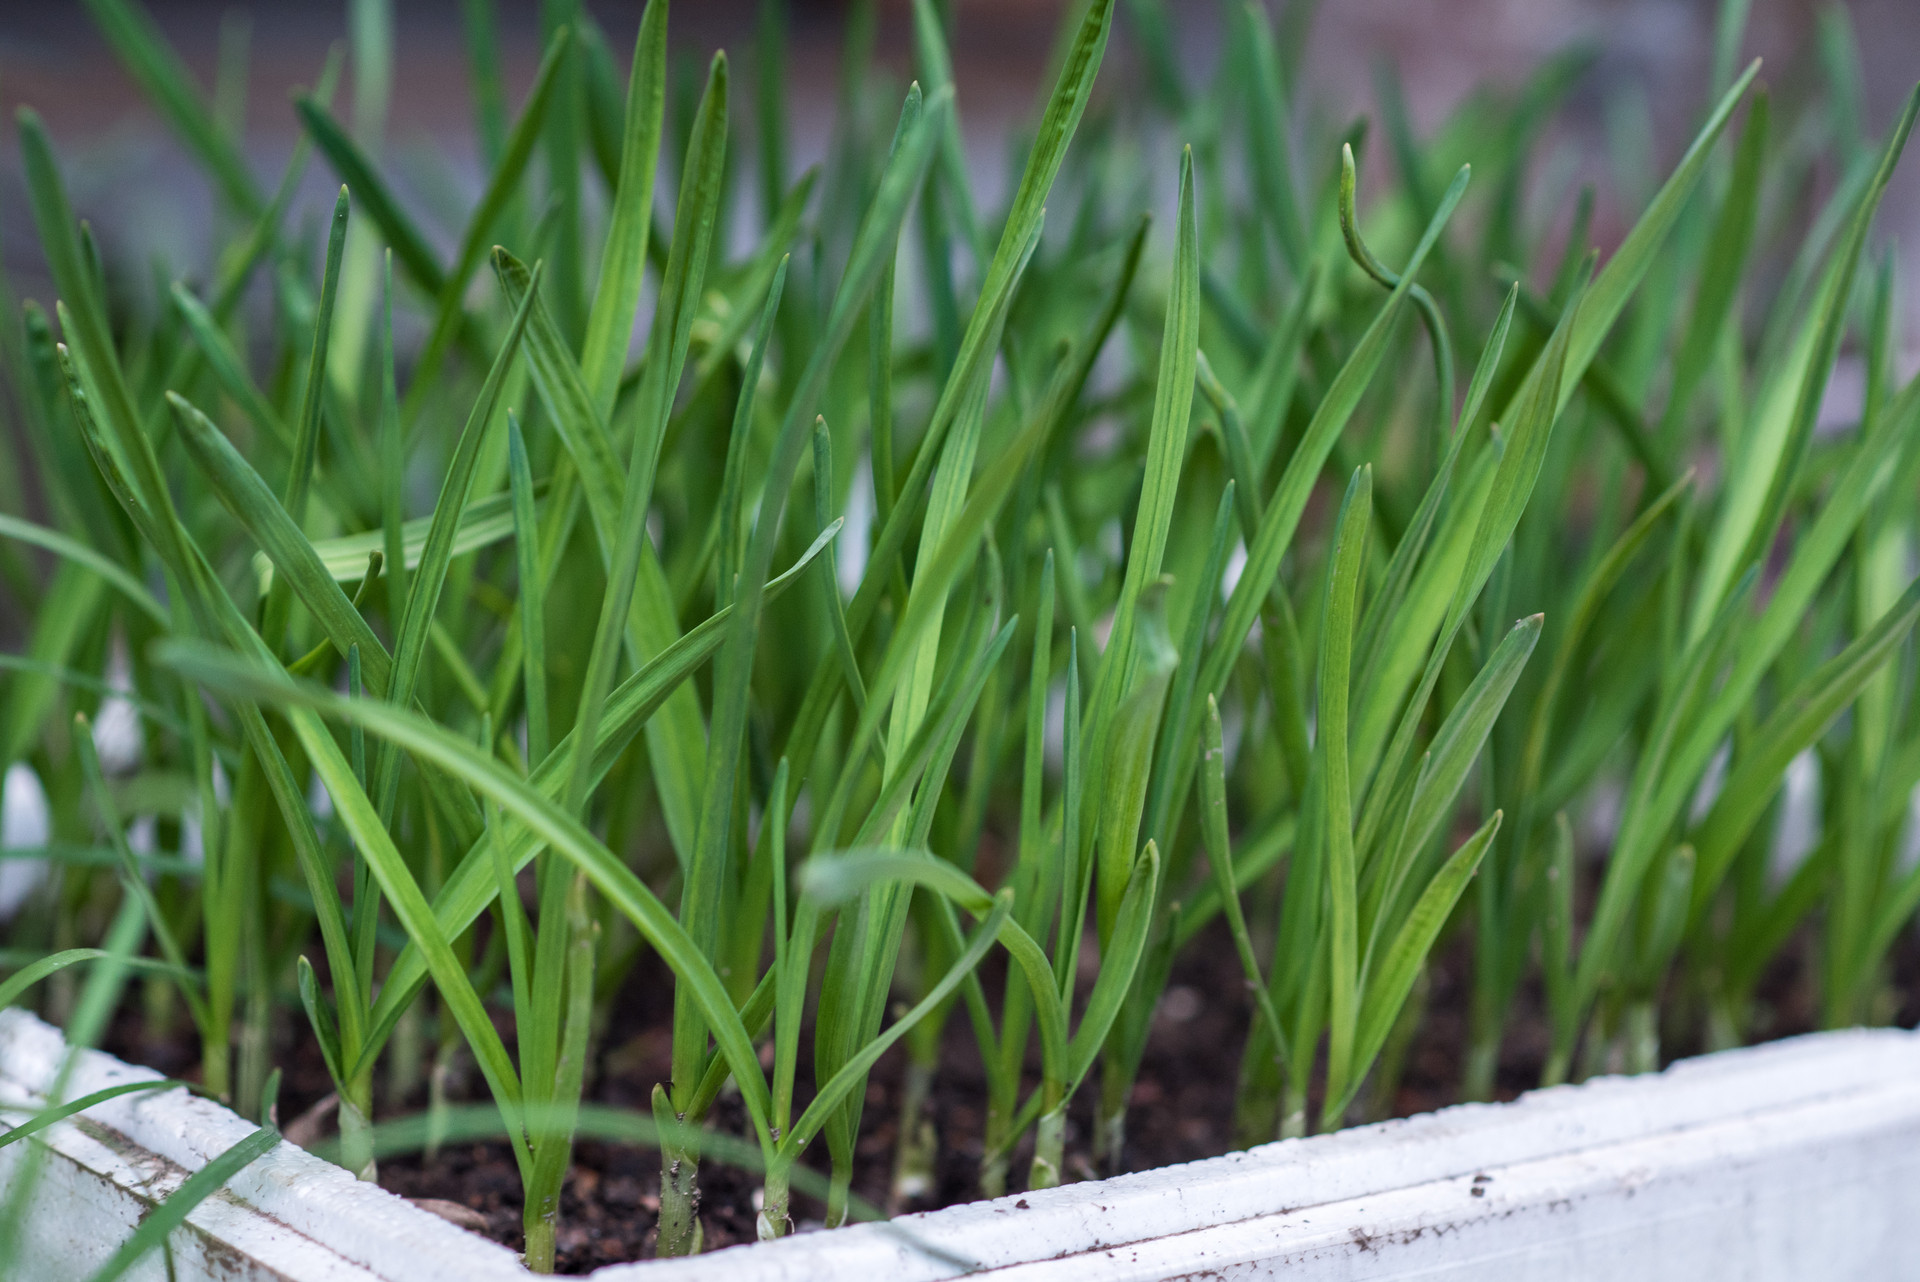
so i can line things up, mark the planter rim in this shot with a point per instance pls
(290, 1210)
(1872, 1070)
(303, 1218)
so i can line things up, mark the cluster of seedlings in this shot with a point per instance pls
(936, 582)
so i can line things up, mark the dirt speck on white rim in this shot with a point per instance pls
(1795, 1160)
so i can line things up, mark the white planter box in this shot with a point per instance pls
(1797, 1160)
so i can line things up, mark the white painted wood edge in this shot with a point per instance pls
(1728, 1099)
(1822, 1190)
(300, 1217)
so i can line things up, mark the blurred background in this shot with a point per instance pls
(1640, 94)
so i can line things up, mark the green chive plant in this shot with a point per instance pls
(1291, 582)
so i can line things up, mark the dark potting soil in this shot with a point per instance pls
(1182, 1103)
(1183, 1110)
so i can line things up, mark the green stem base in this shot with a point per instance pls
(919, 1143)
(774, 1219)
(356, 1136)
(1049, 1146)
(839, 1185)
(1478, 1075)
(1642, 1035)
(680, 1230)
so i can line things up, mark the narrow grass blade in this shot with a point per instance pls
(306, 438)
(1166, 449)
(1727, 249)
(694, 223)
(1799, 721)
(35, 971)
(1520, 461)
(1133, 726)
(1389, 983)
(160, 1223)
(1443, 771)
(1289, 502)
(423, 596)
(72, 550)
(1213, 827)
(229, 368)
(533, 594)
(1353, 530)
(1270, 154)
(450, 312)
(55, 1114)
(165, 78)
(1832, 329)
(246, 496)
(854, 1071)
(409, 243)
(624, 259)
(1581, 619)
